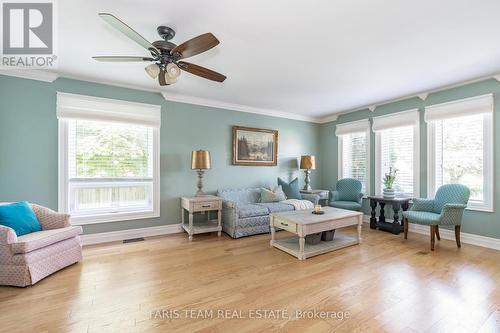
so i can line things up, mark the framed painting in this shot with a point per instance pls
(255, 146)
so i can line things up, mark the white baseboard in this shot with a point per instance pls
(483, 241)
(113, 236)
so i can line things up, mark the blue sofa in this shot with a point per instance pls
(243, 214)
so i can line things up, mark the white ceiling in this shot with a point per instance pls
(309, 58)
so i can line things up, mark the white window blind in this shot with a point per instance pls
(464, 107)
(354, 158)
(404, 118)
(397, 146)
(71, 106)
(109, 168)
(353, 150)
(460, 148)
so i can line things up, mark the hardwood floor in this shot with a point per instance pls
(386, 284)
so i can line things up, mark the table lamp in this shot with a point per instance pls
(307, 163)
(200, 160)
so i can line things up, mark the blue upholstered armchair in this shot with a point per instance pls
(347, 194)
(446, 208)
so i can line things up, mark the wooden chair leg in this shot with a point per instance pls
(457, 236)
(433, 234)
(405, 226)
(437, 233)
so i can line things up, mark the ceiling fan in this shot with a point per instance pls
(165, 55)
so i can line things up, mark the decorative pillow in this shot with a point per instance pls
(291, 189)
(274, 195)
(20, 217)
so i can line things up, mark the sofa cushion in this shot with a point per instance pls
(420, 217)
(251, 210)
(349, 205)
(291, 189)
(276, 207)
(240, 196)
(37, 240)
(274, 195)
(19, 217)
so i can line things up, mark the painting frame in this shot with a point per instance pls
(239, 160)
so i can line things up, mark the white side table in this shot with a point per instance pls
(324, 195)
(205, 204)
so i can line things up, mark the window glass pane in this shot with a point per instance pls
(110, 167)
(109, 150)
(459, 149)
(397, 152)
(109, 197)
(354, 157)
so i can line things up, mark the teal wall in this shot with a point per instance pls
(475, 222)
(28, 146)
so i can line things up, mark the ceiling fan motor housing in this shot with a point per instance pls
(166, 33)
(165, 46)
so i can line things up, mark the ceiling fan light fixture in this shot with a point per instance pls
(153, 70)
(172, 73)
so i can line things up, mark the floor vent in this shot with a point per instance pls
(132, 240)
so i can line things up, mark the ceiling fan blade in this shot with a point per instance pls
(128, 31)
(201, 71)
(195, 45)
(122, 59)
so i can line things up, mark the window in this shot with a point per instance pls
(397, 147)
(354, 151)
(108, 159)
(460, 148)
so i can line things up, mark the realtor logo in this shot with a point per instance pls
(28, 34)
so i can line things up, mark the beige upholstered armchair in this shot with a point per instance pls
(27, 259)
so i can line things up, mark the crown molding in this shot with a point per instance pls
(423, 96)
(46, 76)
(30, 74)
(109, 83)
(174, 97)
(328, 119)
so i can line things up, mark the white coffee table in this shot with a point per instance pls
(303, 222)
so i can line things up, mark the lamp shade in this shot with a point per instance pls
(308, 162)
(200, 159)
(153, 70)
(172, 72)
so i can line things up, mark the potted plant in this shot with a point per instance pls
(389, 180)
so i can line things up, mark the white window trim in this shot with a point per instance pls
(416, 154)
(356, 124)
(489, 174)
(63, 178)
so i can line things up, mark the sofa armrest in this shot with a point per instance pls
(7, 235)
(360, 198)
(228, 204)
(50, 219)
(229, 217)
(452, 214)
(314, 198)
(334, 196)
(425, 205)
